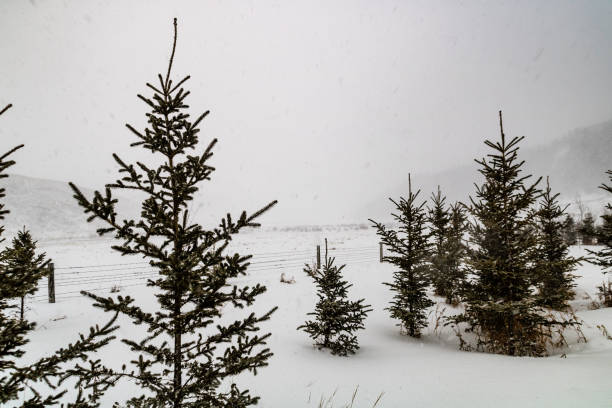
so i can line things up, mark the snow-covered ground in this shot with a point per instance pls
(426, 372)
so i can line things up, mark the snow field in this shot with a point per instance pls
(426, 372)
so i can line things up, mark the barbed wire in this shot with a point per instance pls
(70, 280)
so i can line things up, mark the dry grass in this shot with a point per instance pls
(438, 318)
(605, 293)
(329, 402)
(546, 339)
(604, 331)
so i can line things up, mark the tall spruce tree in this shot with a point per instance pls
(456, 249)
(410, 249)
(23, 267)
(500, 305)
(16, 379)
(336, 319)
(438, 219)
(552, 261)
(190, 356)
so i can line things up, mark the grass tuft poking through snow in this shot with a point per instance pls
(328, 403)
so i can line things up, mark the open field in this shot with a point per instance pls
(429, 372)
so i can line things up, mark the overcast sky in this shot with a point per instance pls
(317, 104)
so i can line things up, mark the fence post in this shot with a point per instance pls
(380, 250)
(325, 250)
(51, 282)
(318, 256)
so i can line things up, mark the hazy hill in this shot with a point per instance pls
(576, 164)
(46, 208)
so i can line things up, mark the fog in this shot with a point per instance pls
(316, 104)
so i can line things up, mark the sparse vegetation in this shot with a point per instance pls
(329, 401)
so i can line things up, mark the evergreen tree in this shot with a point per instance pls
(456, 249)
(438, 218)
(551, 254)
(570, 235)
(16, 378)
(604, 256)
(410, 253)
(12, 331)
(587, 229)
(23, 267)
(191, 355)
(500, 306)
(336, 318)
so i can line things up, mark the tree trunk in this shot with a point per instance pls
(178, 367)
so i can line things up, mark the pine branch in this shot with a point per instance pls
(7, 107)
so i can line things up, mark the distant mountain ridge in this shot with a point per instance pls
(576, 164)
(46, 208)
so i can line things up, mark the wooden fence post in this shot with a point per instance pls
(326, 250)
(380, 250)
(318, 256)
(51, 282)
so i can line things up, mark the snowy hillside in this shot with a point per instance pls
(47, 208)
(576, 164)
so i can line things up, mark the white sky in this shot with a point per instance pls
(317, 104)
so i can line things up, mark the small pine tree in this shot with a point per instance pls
(603, 257)
(456, 250)
(23, 267)
(336, 319)
(500, 306)
(191, 355)
(570, 235)
(12, 331)
(587, 229)
(410, 250)
(552, 262)
(438, 219)
(15, 378)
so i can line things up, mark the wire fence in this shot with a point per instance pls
(69, 281)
